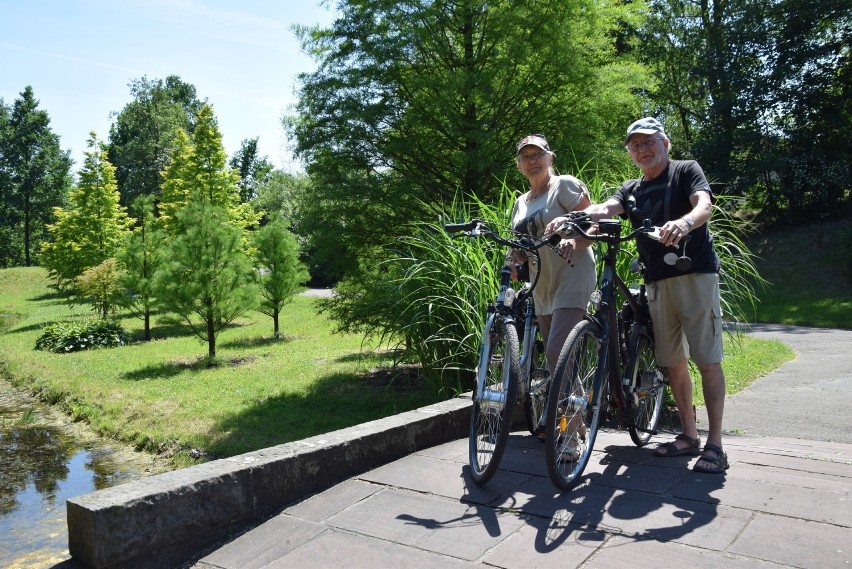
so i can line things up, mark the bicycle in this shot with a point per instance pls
(606, 368)
(512, 361)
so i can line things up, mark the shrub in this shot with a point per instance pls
(74, 336)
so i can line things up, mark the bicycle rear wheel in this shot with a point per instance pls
(494, 399)
(536, 388)
(575, 404)
(647, 388)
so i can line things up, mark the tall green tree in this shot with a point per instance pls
(143, 134)
(279, 194)
(418, 99)
(758, 91)
(813, 75)
(281, 272)
(712, 62)
(92, 228)
(206, 276)
(140, 258)
(35, 177)
(253, 169)
(198, 171)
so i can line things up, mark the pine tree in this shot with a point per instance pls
(140, 259)
(198, 170)
(281, 271)
(206, 276)
(92, 227)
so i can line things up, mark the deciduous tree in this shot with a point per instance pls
(144, 132)
(418, 99)
(253, 169)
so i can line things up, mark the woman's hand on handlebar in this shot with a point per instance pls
(566, 249)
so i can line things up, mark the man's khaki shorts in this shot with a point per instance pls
(687, 316)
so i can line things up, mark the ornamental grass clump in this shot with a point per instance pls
(74, 336)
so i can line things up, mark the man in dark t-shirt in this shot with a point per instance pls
(684, 301)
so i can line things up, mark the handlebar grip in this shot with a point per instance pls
(456, 227)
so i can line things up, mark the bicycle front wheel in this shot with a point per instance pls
(574, 406)
(647, 389)
(494, 399)
(535, 396)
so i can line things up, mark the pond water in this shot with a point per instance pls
(44, 460)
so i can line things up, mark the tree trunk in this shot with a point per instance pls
(211, 333)
(275, 322)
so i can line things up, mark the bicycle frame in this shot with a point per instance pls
(614, 377)
(499, 375)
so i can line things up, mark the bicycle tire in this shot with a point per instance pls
(575, 404)
(647, 389)
(537, 385)
(494, 399)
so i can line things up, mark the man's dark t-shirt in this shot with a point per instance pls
(663, 199)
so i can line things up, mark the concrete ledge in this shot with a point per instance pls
(164, 521)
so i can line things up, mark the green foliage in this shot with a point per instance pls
(758, 92)
(198, 172)
(254, 170)
(140, 259)
(206, 276)
(281, 273)
(163, 397)
(143, 136)
(92, 227)
(99, 285)
(414, 102)
(35, 176)
(76, 335)
(430, 295)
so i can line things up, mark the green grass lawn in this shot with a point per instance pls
(163, 397)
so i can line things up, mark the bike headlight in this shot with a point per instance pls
(595, 298)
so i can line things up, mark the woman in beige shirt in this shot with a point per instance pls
(566, 281)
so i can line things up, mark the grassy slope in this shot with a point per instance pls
(810, 274)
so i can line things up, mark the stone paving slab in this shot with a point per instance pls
(795, 542)
(769, 510)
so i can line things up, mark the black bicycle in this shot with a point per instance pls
(606, 369)
(512, 362)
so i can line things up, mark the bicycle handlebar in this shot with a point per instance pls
(479, 227)
(579, 223)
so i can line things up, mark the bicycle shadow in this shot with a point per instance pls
(481, 514)
(625, 491)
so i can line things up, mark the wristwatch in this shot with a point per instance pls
(689, 221)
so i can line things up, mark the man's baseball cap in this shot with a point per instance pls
(647, 125)
(534, 140)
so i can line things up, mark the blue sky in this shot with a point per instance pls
(80, 55)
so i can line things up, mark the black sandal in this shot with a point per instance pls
(719, 461)
(693, 447)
